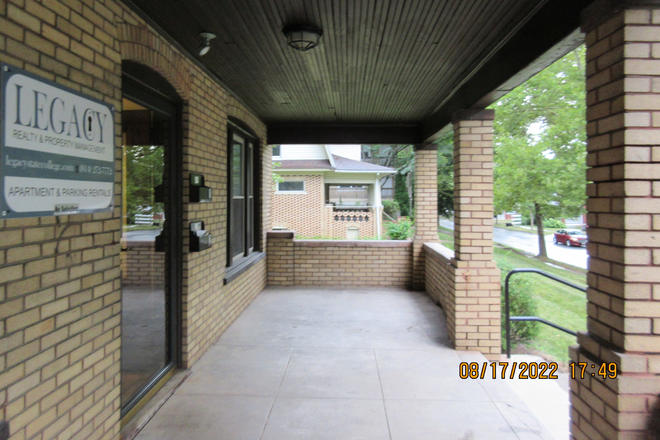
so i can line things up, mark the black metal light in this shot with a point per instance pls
(302, 37)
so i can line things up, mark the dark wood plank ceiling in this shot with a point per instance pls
(385, 71)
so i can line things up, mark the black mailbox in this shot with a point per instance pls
(198, 192)
(199, 238)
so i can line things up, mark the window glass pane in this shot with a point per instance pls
(350, 195)
(250, 224)
(237, 228)
(249, 172)
(276, 150)
(291, 186)
(237, 166)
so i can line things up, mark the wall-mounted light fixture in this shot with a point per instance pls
(206, 45)
(302, 37)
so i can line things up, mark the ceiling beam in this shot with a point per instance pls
(529, 51)
(343, 134)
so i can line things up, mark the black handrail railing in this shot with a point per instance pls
(531, 318)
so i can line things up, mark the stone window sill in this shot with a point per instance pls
(241, 267)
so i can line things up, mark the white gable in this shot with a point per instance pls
(348, 151)
(303, 152)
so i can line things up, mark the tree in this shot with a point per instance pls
(401, 194)
(144, 169)
(446, 175)
(540, 144)
(402, 158)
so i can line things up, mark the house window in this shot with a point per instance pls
(291, 186)
(277, 151)
(243, 221)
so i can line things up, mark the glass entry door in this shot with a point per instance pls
(150, 256)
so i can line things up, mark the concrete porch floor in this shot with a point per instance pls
(323, 363)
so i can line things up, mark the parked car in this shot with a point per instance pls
(570, 237)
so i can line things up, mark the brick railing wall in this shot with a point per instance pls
(337, 262)
(141, 265)
(473, 321)
(440, 282)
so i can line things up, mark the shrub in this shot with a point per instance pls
(553, 223)
(401, 194)
(522, 303)
(401, 230)
(391, 208)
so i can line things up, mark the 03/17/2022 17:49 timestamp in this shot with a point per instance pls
(534, 370)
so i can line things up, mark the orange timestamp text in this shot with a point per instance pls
(502, 370)
(606, 370)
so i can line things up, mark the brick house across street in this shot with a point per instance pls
(328, 192)
(113, 108)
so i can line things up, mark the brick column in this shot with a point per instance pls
(477, 278)
(426, 207)
(623, 128)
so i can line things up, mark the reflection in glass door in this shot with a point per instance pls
(148, 253)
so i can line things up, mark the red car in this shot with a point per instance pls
(570, 237)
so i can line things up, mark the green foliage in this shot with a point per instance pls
(391, 208)
(446, 175)
(522, 303)
(401, 230)
(144, 170)
(540, 142)
(401, 194)
(277, 178)
(553, 223)
(402, 157)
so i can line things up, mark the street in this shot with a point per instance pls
(141, 235)
(575, 256)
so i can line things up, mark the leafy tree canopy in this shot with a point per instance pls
(144, 168)
(540, 143)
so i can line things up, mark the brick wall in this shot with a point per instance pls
(337, 263)
(364, 221)
(141, 265)
(303, 213)
(308, 215)
(60, 278)
(623, 129)
(426, 207)
(477, 321)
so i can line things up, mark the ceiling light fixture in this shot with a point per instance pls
(302, 37)
(206, 45)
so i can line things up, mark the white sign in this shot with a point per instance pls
(57, 149)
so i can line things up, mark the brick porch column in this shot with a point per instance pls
(426, 207)
(623, 128)
(477, 278)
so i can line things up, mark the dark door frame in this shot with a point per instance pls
(140, 92)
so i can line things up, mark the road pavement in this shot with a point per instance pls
(141, 235)
(575, 256)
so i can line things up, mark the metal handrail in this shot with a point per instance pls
(531, 318)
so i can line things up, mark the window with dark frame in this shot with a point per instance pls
(243, 156)
(296, 186)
